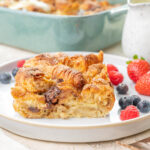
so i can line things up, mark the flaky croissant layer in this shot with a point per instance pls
(62, 86)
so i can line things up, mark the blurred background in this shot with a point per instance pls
(61, 25)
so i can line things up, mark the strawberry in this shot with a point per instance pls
(115, 77)
(129, 113)
(111, 67)
(20, 63)
(137, 68)
(143, 84)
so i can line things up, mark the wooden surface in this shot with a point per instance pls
(10, 141)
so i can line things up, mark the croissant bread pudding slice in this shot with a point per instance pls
(62, 86)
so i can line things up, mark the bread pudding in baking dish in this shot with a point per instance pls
(62, 86)
(59, 7)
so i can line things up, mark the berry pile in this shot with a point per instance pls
(5, 78)
(129, 100)
(139, 72)
(115, 76)
(135, 102)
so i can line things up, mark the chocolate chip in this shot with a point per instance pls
(60, 80)
(34, 109)
(48, 106)
(51, 96)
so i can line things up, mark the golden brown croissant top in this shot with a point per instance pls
(78, 62)
(46, 69)
(47, 60)
(62, 86)
(68, 75)
(32, 79)
(81, 63)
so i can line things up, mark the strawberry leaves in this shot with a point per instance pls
(142, 58)
(134, 58)
(128, 62)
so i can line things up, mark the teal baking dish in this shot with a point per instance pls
(43, 32)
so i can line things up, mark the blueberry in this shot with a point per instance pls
(124, 102)
(135, 99)
(144, 106)
(5, 78)
(14, 71)
(122, 88)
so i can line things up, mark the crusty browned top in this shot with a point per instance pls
(78, 62)
(57, 75)
(47, 59)
(28, 72)
(68, 75)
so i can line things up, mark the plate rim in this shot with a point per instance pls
(144, 117)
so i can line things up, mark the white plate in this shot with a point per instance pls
(72, 130)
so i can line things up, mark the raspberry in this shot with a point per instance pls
(129, 113)
(111, 67)
(20, 63)
(115, 77)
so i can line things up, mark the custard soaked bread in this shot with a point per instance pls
(62, 86)
(60, 7)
